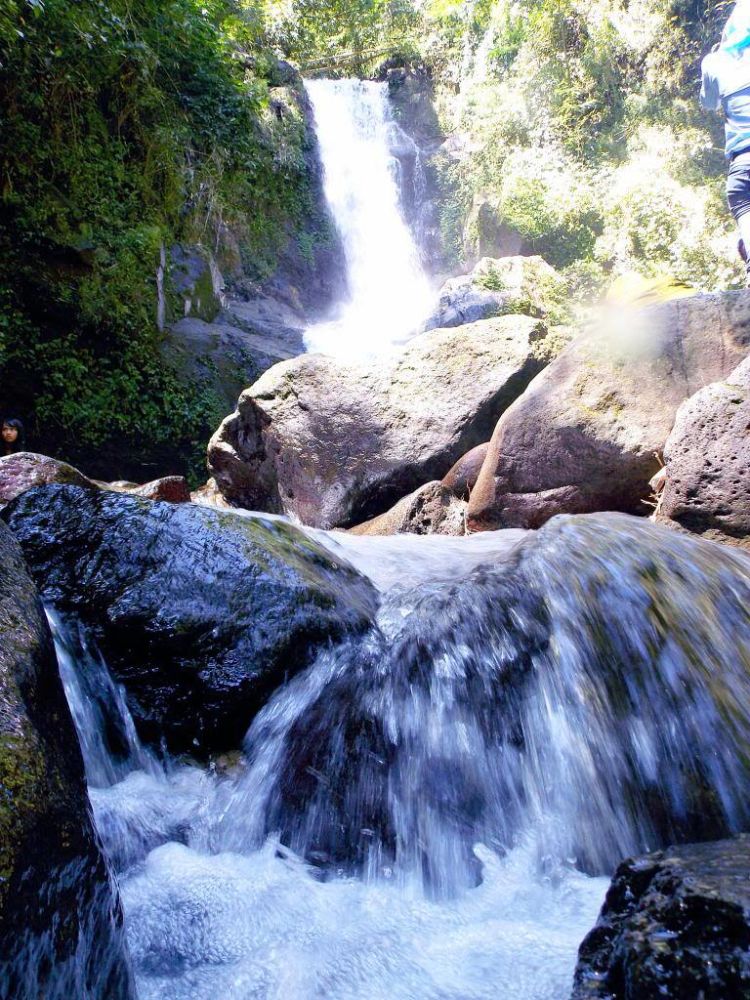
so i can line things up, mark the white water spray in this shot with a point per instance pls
(389, 292)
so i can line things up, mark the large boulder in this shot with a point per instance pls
(674, 924)
(60, 923)
(707, 458)
(200, 614)
(25, 469)
(433, 509)
(586, 433)
(496, 287)
(334, 443)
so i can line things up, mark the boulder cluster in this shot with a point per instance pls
(499, 415)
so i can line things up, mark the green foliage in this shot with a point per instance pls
(127, 128)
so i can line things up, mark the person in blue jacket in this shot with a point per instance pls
(726, 87)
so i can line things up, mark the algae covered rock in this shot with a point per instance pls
(199, 613)
(497, 287)
(60, 921)
(675, 923)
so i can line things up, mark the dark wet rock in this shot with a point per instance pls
(586, 434)
(200, 614)
(334, 443)
(674, 924)
(60, 922)
(25, 469)
(433, 509)
(707, 455)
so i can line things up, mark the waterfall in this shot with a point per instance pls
(360, 145)
(428, 810)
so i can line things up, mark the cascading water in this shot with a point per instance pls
(389, 292)
(424, 813)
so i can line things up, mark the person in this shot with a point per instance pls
(12, 435)
(726, 86)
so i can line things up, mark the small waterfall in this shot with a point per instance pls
(389, 293)
(428, 809)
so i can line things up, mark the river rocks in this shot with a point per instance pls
(332, 443)
(674, 924)
(171, 489)
(57, 906)
(462, 478)
(433, 509)
(25, 469)
(200, 614)
(707, 457)
(525, 285)
(585, 434)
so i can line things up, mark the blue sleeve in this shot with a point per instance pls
(710, 94)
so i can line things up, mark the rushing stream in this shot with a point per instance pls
(389, 293)
(428, 810)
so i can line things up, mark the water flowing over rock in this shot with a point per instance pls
(334, 443)
(362, 149)
(516, 717)
(571, 691)
(60, 923)
(525, 285)
(585, 434)
(674, 924)
(707, 459)
(200, 614)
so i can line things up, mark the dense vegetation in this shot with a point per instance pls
(583, 134)
(131, 126)
(127, 126)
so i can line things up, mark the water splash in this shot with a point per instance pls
(417, 812)
(389, 293)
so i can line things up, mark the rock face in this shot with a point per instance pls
(674, 924)
(200, 614)
(171, 489)
(707, 459)
(433, 509)
(25, 469)
(57, 905)
(495, 287)
(333, 444)
(583, 437)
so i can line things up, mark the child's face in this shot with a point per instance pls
(10, 434)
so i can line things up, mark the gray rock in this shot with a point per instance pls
(707, 459)
(584, 435)
(60, 922)
(333, 444)
(674, 924)
(525, 285)
(200, 614)
(433, 509)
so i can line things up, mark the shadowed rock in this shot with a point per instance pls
(674, 924)
(60, 923)
(707, 459)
